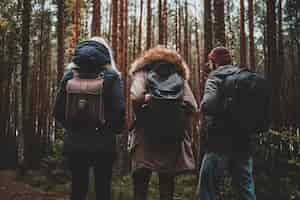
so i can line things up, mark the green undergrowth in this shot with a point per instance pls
(268, 187)
(122, 188)
(276, 170)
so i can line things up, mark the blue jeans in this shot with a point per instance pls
(213, 171)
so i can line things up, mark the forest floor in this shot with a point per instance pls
(13, 189)
(38, 187)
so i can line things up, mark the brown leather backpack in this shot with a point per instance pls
(85, 103)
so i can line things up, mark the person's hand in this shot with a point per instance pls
(124, 141)
(147, 97)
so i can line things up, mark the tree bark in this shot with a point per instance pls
(219, 21)
(120, 58)
(26, 88)
(165, 21)
(77, 21)
(272, 67)
(160, 24)
(149, 24)
(60, 38)
(280, 62)
(207, 29)
(114, 38)
(251, 36)
(96, 23)
(242, 35)
(140, 27)
(134, 32)
(186, 34)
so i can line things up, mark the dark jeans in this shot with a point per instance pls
(80, 164)
(213, 170)
(141, 178)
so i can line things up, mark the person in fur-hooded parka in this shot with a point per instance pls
(168, 161)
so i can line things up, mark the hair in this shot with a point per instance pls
(220, 56)
(105, 43)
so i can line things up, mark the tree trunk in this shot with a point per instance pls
(280, 62)
(134, 32)
(60, 38)
(207, 29)
(114, 38)
(251, 36)
(26, 84)
(160, 24)
(149, 24)
(165, 21)
(242, 35)
(186, 34)
(77, 21)
(219, 21)
(140, 27)
(179, 26)
(120, 58)
(272, 67)
(96, 23)
(176, 25)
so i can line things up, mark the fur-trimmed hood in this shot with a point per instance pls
(161, 54)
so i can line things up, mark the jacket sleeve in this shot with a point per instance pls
(138, 89)
(116, 119)
(209, 104)
(60, 101)
(189, 98)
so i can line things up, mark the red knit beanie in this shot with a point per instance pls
(220, 56)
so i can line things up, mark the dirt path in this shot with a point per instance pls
(11, 189)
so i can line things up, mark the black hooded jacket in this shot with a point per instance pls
(93, 141)
(114, 116)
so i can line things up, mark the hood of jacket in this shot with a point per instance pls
(161, 54)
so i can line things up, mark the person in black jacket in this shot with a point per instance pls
(93, 148)
(224, 151)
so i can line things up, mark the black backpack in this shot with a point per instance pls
(245, 102)
(164, 114)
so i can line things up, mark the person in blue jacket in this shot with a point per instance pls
(93, 149)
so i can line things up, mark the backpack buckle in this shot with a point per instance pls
(100, 75)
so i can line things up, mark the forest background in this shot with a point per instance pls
(37, 39)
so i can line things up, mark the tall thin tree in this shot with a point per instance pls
(160, 23)
(186, 33)
(272, 68)
(207, 28)
(120, 58)
(149, 24)
(96, 23)
(242, 34)
(219, 22)
(251, 35)
(165, 21)
(140, 27)
(114, 36)
(77, 20)
(26, 89)
(60, 38)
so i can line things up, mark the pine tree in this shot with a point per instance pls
(207, 29)
(115, 27)
(60, 38)
(149, 24)
(96, 24)
(251, 36)
(219, 22)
